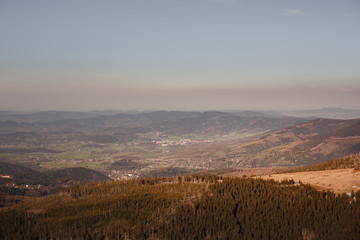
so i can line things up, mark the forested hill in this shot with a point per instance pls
(18, 182)
(23, 175)
(190, 207)
(352, 161)
(14, 169)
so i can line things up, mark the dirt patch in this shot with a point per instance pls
(326, 147)
(273, 139)
(339, 180)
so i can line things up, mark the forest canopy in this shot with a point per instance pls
(190, 207)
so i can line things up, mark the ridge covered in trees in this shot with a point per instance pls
(24, 175)
(18, 182)
(189, 207)
(351, 161)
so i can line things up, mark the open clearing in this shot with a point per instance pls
(339, 180)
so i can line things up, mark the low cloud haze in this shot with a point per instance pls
(115, 96)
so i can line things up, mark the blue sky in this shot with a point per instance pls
(179, 55)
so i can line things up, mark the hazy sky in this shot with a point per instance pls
(179, 54)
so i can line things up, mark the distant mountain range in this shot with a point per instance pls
(146, 117)
(337, 113)
(124, 126)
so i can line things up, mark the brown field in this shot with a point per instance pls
(339, 180)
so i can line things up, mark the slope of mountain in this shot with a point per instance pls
(14, 169)
(192, 207)
(300, 144)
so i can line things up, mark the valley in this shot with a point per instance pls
(151, 143)
(133, 145)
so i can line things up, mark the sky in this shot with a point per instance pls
(83, 55)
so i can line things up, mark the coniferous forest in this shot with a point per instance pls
(190, 207)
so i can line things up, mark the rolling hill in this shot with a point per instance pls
(166, 122)
(14, 169)
(21, 175)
